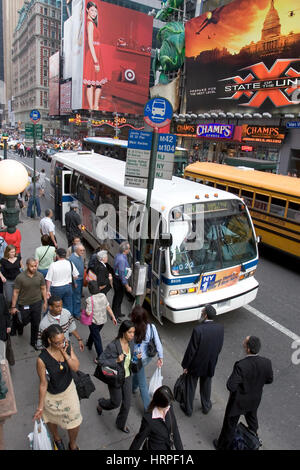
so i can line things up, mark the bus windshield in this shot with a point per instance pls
(210, 236)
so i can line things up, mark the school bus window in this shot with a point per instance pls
(233, 190)
(248, 197)
(221, 186)
(293, 211)
(210, 183)
(277, 206)
(261, 202)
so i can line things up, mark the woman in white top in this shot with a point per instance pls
(45, 255)
(98, 306)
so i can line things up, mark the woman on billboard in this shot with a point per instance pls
(93, 69)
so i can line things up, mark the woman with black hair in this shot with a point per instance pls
(144, 332)
(159, 430)
(118, 355)
(58, 398)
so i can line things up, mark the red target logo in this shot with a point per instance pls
(129, 75)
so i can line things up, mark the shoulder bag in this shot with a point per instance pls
(83, 383)
(87, 319)
(112, 376)
(151, 348)
(73, 281)
(44, 254)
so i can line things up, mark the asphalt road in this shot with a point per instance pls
(275, 317)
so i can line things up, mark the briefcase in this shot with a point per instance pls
(245, 439)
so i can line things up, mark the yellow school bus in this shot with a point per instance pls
(273, 200)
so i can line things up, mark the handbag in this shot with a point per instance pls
(112, 376)
(151, 348)
(73, 280)
(180, 389)
(90, 276)
(87, 319)
(136, 365)
(9, 352)
(84, 384)
(107, 375)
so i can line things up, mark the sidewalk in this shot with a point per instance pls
(97, 432)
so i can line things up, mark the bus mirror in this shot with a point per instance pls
(165, 240)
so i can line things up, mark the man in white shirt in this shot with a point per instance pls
(60, 277)
(47, 227)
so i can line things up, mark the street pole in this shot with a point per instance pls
(34, 170)
(150, 185)
(4, 148)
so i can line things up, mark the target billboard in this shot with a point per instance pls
(113, 57)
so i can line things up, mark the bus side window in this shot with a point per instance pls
(74, 181)
(89, 192)
(233, 190)
(221, 186)
(277, 206)
(261, 202)
(210, 183)
(293, 212)
(67, 180)
(248, 197)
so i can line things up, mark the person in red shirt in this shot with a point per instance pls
(14, 238)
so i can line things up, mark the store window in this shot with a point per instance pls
(277, 206)
(261, 202)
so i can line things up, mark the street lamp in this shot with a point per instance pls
(13, 180)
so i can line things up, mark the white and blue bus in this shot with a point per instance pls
(117, 148)
(216, 267)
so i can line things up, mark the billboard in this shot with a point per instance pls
(111, 59)
(54, 84)
(66, 98)
(249, 66)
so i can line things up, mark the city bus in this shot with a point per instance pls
(201, 248)
(116, 148)
(273, 200)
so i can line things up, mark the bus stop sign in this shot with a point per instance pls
(158, 112)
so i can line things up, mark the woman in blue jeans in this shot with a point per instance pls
(144, 331)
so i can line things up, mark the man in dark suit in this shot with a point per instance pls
(245, 386)
(200, 359)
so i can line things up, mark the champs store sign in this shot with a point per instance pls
(267, 134)
(208, 131)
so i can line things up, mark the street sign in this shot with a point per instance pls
(158, 112)
(138, 157)
(38, 131)
(29, 130)
(165, 156)
(35, 115)
(293, 125)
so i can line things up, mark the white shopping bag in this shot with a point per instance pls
(155, 381)
(41, 439)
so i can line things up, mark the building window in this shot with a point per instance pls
(46, 11)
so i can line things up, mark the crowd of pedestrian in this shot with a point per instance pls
(47, 293)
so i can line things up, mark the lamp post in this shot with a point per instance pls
(13, 180)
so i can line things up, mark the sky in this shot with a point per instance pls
(240, 23)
